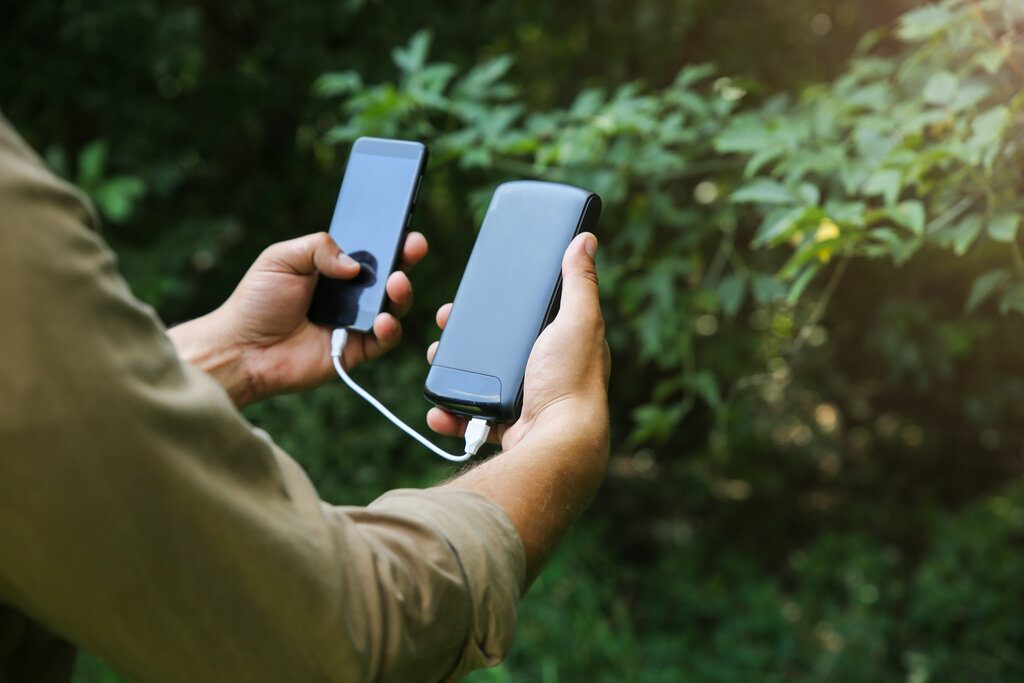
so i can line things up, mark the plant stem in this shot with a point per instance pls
(819, 307)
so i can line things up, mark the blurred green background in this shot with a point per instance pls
(811, 269)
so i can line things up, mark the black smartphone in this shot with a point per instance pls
(375, 204)
(508, 294)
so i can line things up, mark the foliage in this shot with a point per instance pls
(898, 153)
(811, 289)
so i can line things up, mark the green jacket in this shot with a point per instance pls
(142, 518)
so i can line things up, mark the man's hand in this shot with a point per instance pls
(568, 370)
(259, 342)
(556, 453)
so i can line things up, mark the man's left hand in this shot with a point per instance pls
(259, 342)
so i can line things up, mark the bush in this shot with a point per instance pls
(812, 290)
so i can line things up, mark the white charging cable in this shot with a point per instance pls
(476, 431)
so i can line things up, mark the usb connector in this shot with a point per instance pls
(476, 434)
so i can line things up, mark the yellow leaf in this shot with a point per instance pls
(827, 230)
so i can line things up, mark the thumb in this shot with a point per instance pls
(309, 254)
(580, 297)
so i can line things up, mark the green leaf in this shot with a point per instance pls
(1013, 300)
(744, 134)
(345, 133)
(964, 234)
(778, 225)
(693, 73)
(875, 97)
(891, 244)
(924, 22)
(846, 213)
(992, 60)
(763, 191)
(887, 183)
(413, 56)
(337, 83)
(940, 88)
(116, 197)
(1003, 227)
(428, 84)
(758, 160)
(869, 40)
(969, 94)
(91, 162)
(588, 102)
(731, 292)
(911, 215)
(704, 384)
(479, 80)
(57, 160)
(988, 127)
(809, 193)
(983, 287)
(796, 290)
(654, 422)
(872, 144)
(767, 288)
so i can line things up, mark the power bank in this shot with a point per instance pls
(508, 294)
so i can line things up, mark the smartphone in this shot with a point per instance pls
(375, 204)
(509, 292)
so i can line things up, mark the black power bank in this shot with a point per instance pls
(508, 294)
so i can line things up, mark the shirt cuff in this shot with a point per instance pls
(492, 559)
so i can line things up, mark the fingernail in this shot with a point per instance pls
(590, 245)
(347, 260)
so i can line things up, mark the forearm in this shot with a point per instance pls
(198, 342)
(545, 481)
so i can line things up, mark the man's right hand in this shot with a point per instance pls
(556, 453)
(567, 374)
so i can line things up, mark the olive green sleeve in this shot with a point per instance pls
(143, 518)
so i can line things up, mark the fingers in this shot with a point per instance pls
(442, 320)
(442, 315)
(307, 255)
(398, 286)
(399, 291)
(387, 331)
(414, 250)
(445, 423)
(580, 299)
(318, 252)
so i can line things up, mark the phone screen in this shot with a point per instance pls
(370, 218)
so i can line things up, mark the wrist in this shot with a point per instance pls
(574, 426)
(547, 478)
(203, 342)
